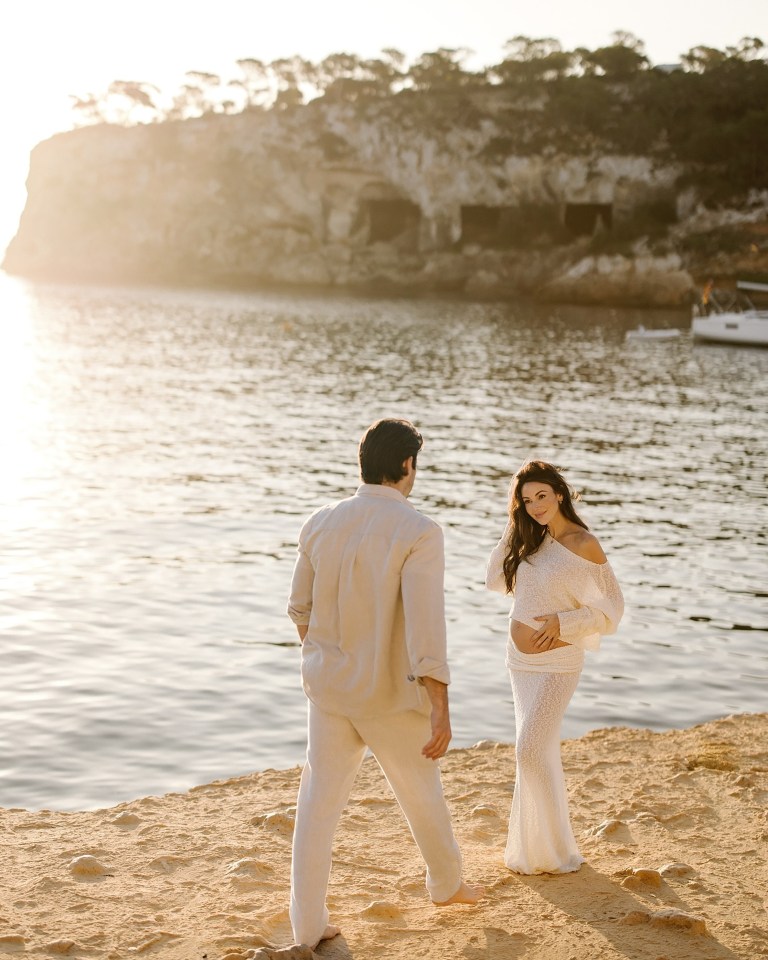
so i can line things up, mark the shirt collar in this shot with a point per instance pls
(379, 490)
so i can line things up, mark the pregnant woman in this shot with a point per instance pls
(565, 597)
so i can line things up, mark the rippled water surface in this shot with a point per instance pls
(160, 449)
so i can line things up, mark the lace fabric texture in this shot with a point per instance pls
(540, 838)
(585, 595)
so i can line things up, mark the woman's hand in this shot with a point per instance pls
(549, 634)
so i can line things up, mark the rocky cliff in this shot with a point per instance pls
(382, 199)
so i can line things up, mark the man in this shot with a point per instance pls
(367, 600)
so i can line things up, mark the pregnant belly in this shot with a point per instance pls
(522, 637)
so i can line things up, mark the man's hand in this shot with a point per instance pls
(437, 746)
(441, 736)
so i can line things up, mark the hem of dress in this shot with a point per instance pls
(571, 868)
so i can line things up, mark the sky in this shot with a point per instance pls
(50, 49)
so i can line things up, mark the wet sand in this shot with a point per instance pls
(674, 827)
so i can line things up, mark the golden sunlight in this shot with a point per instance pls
(21, 456)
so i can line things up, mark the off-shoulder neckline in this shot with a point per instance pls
(593, 563)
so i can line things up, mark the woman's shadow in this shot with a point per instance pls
(628, 923)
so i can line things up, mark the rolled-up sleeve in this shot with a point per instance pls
(300, 601)
(422, 584)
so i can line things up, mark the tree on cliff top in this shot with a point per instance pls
(529, 61)
(254, 82)
(442, 69)
(348, 77)
(711, 114)
(125, 102)
(622, 60)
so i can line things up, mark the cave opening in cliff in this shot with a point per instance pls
(582, 219)
(480, 224)
(391, 219)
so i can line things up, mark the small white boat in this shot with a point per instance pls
(721, 318)
(643, 333)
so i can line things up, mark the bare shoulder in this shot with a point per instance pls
(586, 545)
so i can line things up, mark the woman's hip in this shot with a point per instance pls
(567, 659)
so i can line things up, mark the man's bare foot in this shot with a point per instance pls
(330, 933)
(465, 894)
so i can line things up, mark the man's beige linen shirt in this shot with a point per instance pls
(368, 581)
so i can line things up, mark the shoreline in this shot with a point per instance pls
(673, 825)
(384, 291)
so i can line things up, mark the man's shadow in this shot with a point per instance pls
(601, 903)
(494, 943)
(490, 942)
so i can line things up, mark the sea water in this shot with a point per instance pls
(160, 449)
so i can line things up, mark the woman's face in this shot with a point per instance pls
(540, 501)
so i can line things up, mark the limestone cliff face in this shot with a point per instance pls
(326, 196)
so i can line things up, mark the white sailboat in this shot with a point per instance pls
(731, 318)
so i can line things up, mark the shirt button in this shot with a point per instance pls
(411, 677)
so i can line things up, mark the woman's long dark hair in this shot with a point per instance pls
(527, 535)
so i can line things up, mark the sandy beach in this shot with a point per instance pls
(674, 827)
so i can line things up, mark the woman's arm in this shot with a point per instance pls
(602, 607)
(494, 572)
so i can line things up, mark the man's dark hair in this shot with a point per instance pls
(384, 447)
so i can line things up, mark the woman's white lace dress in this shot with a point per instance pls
(588, 601)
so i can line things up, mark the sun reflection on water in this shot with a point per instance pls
(21, 398)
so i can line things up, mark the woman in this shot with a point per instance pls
(566, 596)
